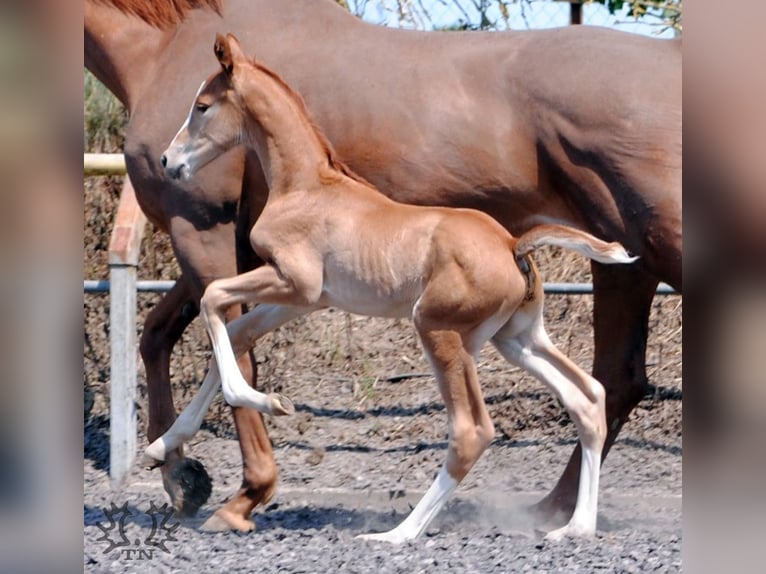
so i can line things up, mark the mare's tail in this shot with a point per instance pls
(570, 238)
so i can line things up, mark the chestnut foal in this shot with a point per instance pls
(330, 239)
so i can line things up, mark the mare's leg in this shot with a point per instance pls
(525, 343)
(205, 255)
(185, 480)
(259, 469)
(257, 466)
(622, 302)
(470, 428)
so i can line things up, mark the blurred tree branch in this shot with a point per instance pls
(667, 12)
(495, 14)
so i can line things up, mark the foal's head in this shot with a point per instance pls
(214, 124)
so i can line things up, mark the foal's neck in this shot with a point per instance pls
(292, 153)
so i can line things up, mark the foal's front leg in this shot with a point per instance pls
(243, 332)
(262, 285)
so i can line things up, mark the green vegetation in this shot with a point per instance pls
(105, 118)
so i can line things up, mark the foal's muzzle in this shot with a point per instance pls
(174, 172)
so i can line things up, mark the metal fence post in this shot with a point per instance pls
(124, 248)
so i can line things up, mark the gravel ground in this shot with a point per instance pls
(311, 524)
(361, 450)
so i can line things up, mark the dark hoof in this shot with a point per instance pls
(190, 486)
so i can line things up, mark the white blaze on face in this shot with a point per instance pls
(191, 111)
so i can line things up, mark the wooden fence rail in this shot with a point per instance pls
(103, 164)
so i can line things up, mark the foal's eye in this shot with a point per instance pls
(202, 108)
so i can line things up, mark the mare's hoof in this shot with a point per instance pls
(281, 405)
(189, 486)
(222, 521)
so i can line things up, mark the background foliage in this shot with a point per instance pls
(655, 16)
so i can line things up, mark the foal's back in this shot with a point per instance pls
(378, 256)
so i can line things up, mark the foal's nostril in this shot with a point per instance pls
(164, 160)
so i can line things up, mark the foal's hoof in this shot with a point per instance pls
(390, 537)
(570, 531)
(223, 521)
(188, 484)
(281, 405)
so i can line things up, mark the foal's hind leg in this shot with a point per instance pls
(524, 342)
(470, 429)
(622, 303)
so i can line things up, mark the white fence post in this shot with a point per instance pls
(123, 364)
(124, 249)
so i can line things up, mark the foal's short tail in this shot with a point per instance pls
(570, 238)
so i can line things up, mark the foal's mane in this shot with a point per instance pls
(332, 157)
(161, 13)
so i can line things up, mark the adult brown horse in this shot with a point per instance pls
(580, 126)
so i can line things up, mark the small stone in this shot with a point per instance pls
(316, 456)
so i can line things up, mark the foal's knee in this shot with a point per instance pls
(212, 299)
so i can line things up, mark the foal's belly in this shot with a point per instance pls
(371, 298)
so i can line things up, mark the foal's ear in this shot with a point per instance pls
(235, 49)
(223, 53)
(228, 51)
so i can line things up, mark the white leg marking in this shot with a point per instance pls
(244, 330)
(535, 353)
(236, 391)
(188, 422)
(583, 521)
(422, 515)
